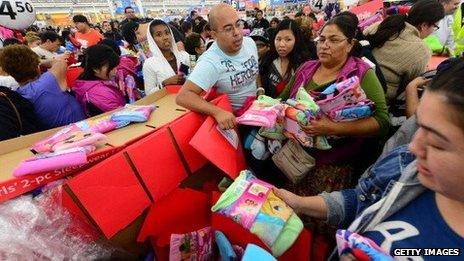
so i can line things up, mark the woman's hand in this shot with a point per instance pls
(412, 95)
(321, 127)
(294, 201)
(416, 83)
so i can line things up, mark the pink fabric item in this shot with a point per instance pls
(370, 21)
(353, 67)
(246, 105)
(349, 92)
(261, 117)
(126, 70)
(6, 33)
(69, 137)
(293, 130)
(50, 162)
(265, 119)
(79, 139)
(46, 145)
(105, 95)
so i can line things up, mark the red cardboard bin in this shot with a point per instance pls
(158, 163)
(111, 194)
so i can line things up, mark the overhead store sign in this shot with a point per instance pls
(16, 14)
(120, 5)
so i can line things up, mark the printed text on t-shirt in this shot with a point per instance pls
(243, 76)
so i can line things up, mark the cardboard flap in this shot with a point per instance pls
(211, 94)
(72, 74)
(173, 88)
(85, 226)
(214, 146)
(183, 130)
(158, 163)
(111, 194)
(222, 102)
(182, 211)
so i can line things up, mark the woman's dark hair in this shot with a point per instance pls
(296, 57)
(65, 35)
(113, 26)
(200, 27)
(128, 32)
(186, 26)
(49, 35)
(347, 23)
(10, 41)
(275, 20)
(245, 24)
(155, 23)
(112, 44)
(423, 11)
(96, 57)
(450, 83)
(191, 42)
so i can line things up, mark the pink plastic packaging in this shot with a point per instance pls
(51, 161)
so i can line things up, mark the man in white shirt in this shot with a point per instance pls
(441, 42)
(49, 44)
(230, 64)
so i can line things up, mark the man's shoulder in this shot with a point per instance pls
(248, 40)
(213, 54)
(249, 45)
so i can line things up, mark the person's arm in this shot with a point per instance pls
(259, 84)
(378, 124)
(189, 97)
(449, 43)
(313, 206)
(412, 95)
(59, 70)
(327, 127)
(150, 78)
(203, 78)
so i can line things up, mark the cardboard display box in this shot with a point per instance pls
(134, 167)
(13, 151)
(114, 193)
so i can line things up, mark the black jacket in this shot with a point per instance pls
(263, 23)
(17, 115)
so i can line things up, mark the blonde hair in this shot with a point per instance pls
(31, 37)
(306, 26)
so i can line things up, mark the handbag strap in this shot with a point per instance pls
(18, 116)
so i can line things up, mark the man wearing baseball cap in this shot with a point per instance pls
(261, 38)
